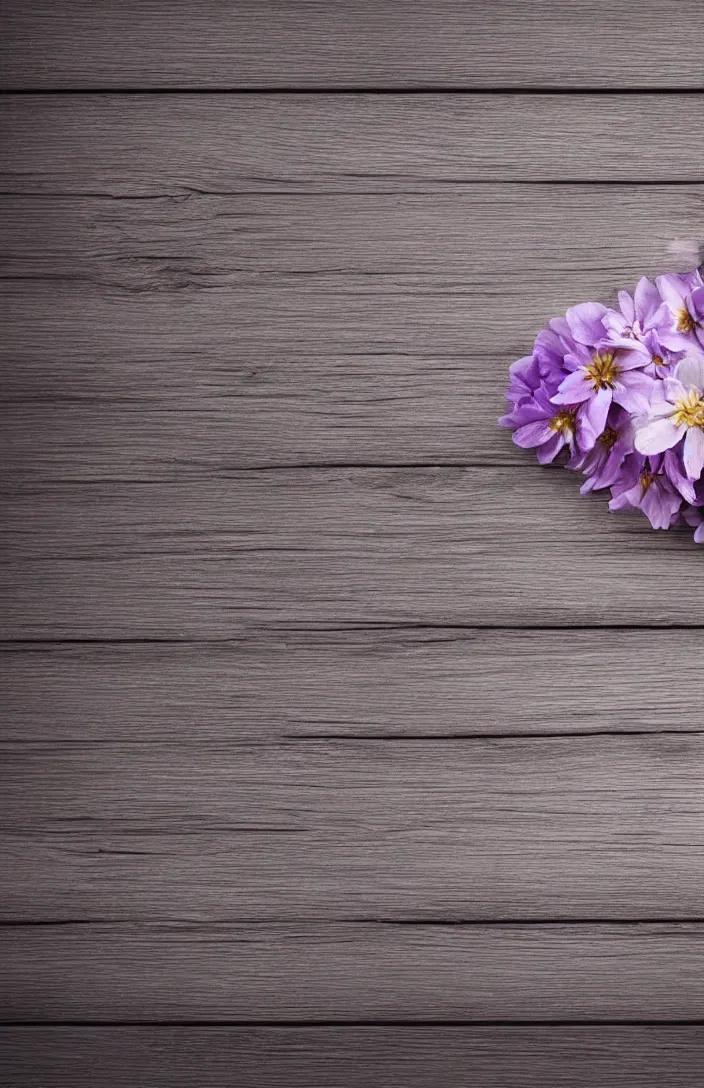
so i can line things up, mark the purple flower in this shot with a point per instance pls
(622, 391)
(661, 361)
(523, 380)
(538, 424)
(599, 373)
(649, 488)
(676, 413)
(684, 296)
(602, 464)
(638, 327)
(644, 313)
(552, 346)
(694, 513)
(694, 516)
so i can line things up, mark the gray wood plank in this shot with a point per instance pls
(183, 146)
(617, 1056)
(335, 548)
(368, 683)
(553, 43)
(573, 828)
(153, 339)
(361, 972)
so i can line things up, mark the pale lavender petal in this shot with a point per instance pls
(691, 372)
(661, 316)
(673, 470)
(627, 306)
(573, 389)
(658, 410)
(559, 326)
(673, 389)
(628, 344)
(658, 436)
(660, 506)
(672, 290)
(626, 500)
(576, 357)
(636, 355)
(696, 303)
(647, 299)
(694, 452)
(616, 324)
(585, 322)
(596, 411)
(674, 340)
(550, 449)
(533, 434)
(633, 391)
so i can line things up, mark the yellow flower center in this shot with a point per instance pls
(659, 361)
(564, 420)
(609, 438)
(646, 479)
(603, 370)
(685, 321)
(689, 410)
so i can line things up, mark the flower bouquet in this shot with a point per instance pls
(622, 393)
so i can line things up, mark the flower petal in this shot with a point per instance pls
(533, 434)
(694, 452)
(632, 398)
(657, 436)
(672, 290)
(627, 306)
(550, 449)
(660, 505)
(573, 389)
(585, 322)
(595, 412)
(646, 298)
(691, 372)
(636, 355)
(673, 469)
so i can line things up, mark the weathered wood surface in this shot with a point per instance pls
(420, 683)
(161, 971)
(186, 145)
(253, 351)
(566, 828)
(335, 548)
(408, 1056)
(486, 43)
(165, 337)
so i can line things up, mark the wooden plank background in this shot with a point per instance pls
(358, 43)
(410, 1056)
(342, 744)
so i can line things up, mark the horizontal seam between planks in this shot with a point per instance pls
(356, 89)
(350, 923)
(380, 1023)
(359, 738)
(434, 185)
(254, 634)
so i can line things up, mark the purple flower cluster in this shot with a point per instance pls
(622, 393)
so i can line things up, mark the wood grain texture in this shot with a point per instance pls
(366, 684)
(573, 828)
(553, 43)
(334, 548)
(362, 972)
(183, 146)
(167, 337)
(617, 1056)
(221, 313)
